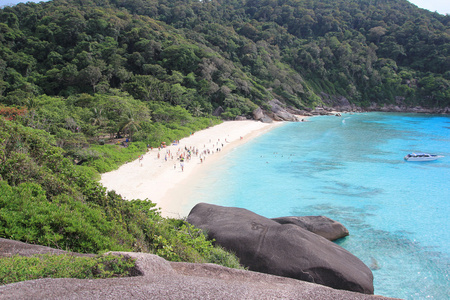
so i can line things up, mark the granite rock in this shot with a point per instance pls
(279, 112)
(10, 248)
(160, 279)
(266, 246)
(156, 278)
(323, 226)
(258, 114)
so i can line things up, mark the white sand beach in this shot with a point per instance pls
(158, 176)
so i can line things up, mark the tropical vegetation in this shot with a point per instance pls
(48, 200)
(20, 268)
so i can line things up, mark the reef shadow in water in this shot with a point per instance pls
(403, 267)
(342, 188)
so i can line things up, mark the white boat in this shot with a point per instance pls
(421, 157)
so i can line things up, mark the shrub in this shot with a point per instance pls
(19, 268)
(27, 215)
(111, 157)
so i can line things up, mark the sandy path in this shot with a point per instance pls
(162, 181)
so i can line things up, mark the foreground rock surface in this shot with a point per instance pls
(161, 279)
(323, 226)
(10, 248)
(266, 246)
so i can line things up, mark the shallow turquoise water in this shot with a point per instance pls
(351, 169)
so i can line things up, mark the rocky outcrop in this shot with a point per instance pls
(258, 114)
(218, 111)
(320, 225)
(266, 246)
(278, 112)
(266, 119)
(299, 112)
(10, 248)
(160, 279)
(332, 105)
(339, 103)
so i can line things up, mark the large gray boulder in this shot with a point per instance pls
(323, 226)
(258, 114)
(266, 119)
(266, 246)
(279, 112)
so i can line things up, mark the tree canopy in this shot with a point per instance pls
(205, 54)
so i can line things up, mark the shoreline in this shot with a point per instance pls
(177, 200)
(161, 179)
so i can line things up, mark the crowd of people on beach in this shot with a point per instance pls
(182, 155)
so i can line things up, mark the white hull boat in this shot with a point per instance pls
(421, 157)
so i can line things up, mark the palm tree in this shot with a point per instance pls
(130, 125)
(97, 119)
(197, 109)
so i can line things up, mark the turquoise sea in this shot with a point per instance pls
(351, 169)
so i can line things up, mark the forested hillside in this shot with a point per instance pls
(79, 76)
(234, 54)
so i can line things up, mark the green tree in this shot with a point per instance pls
(91, 75)
(183, 58)
(130, 125)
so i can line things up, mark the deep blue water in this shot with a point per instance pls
(351, 169)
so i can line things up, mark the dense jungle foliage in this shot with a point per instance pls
(77, 77)
(235, 54)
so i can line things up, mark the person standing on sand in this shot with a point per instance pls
(182, 163)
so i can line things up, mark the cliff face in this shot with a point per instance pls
(161, 279)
